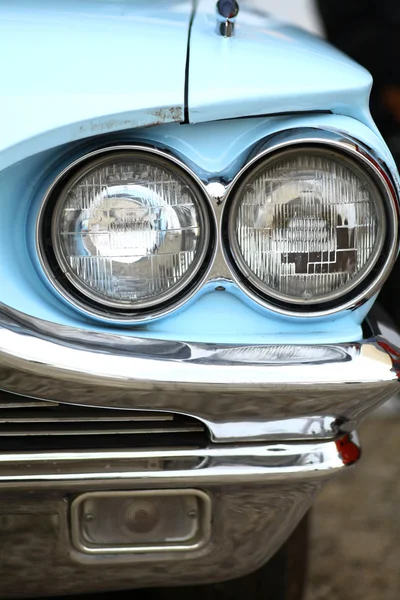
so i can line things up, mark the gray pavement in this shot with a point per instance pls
(355, 549)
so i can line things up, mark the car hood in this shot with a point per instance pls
(268, 67)
(74, 68)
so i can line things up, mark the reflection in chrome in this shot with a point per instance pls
(52, 362)
(254, 463)
(300, 428)
(280, 354)
(227, 11)
(262, 489)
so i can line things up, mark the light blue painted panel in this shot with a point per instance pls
(267, 67)
(76, 68)
(220, 148)
(212, 150)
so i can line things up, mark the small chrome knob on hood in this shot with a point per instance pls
(227, 11)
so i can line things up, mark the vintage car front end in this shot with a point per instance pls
(189, 265)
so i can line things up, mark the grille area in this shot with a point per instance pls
(26, 423)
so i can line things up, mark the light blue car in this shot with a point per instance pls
(197, 215)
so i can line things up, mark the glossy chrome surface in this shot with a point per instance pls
(188, 467)
(226, 28)
(227, 11)
(264, 490)
(156, 307)
(220, 270)
(48, 419)
(316, 138)
(239, 392)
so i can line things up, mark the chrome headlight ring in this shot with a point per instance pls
(385, 253)
(163, 228)
(219, 267)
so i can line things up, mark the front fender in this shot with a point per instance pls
(268, 67)
(74, 69)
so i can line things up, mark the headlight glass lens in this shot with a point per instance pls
(307, 225)
(129, 230)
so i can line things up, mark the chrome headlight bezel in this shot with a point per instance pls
(373, 280)
(219, 269)
(77, 296)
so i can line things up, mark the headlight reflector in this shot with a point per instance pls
(129, 229)
(306, 225)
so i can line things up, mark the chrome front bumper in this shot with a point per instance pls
(258, 494)
(278, 419)
(242, 393)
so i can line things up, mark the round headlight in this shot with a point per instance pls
(307, 225)
(128, 229)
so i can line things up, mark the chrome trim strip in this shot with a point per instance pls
(59, 420)
(226, 17)
(239, 392)
(143, 469)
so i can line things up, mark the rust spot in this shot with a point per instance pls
(167, 115)
(148, 118)
(348, 450)
(109, 125)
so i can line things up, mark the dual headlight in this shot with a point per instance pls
(128, 232)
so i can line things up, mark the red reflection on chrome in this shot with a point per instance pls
(389, 349)
(348, 450)
(393, 353)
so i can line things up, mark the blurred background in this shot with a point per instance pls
(300, 12)
(355, 545)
